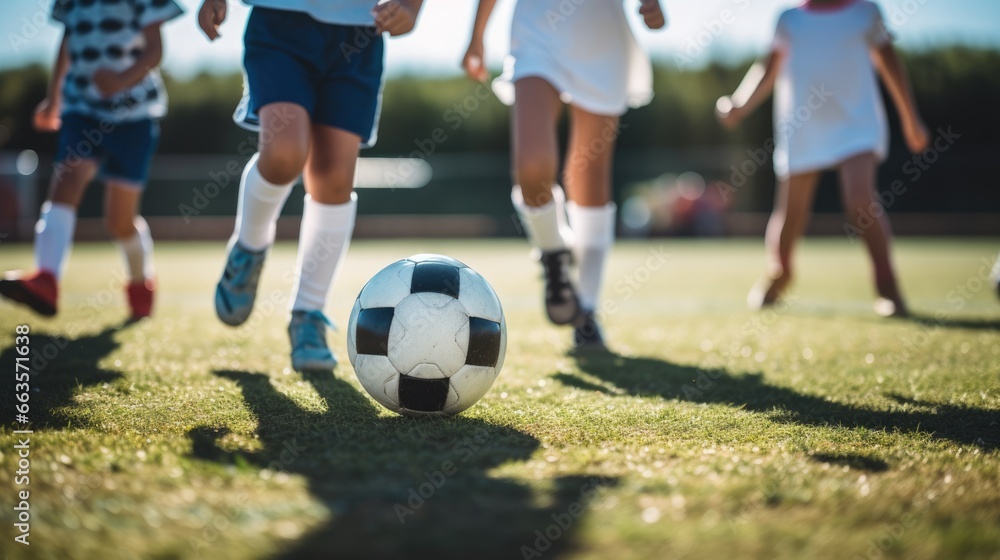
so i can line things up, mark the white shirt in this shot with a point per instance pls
(584, 48)
(827, 105)
(339, 12)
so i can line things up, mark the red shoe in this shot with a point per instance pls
(39, 290)
(140, 298)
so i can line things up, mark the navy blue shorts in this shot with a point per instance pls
(333, 71)
(123, 150)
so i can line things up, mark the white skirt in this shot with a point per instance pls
(585, 49)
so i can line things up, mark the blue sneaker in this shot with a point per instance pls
(237, 289)
(307, 333)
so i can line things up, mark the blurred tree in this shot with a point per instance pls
(956, 87)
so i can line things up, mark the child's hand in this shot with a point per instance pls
(108, 82)
(729, 116)
(473, 63)
(916, 135)
(47, 116)
(210, 17)
(395, 16)
(652, 14)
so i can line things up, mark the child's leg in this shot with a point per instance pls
(536, 198)
(591, 212)
(328, 217)
(128, 229)
(270, 174)
(266, 184)
(792, 208)
(55, 227)
(858, 178)
(535, 149)
(131, 233)
(53, 237)
(327, 225)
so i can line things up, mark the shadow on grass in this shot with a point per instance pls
(932, 322)
(650, 377)
(60, 367)
(853, 460)
(402, 487)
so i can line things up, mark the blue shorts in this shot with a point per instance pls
(333, 71)
(123, 150)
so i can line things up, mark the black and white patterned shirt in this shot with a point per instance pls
(108, 34)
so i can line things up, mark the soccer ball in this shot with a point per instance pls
(427, 336)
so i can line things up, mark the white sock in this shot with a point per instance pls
(323, 241)
(594, 228)
(138, 252)
(258, 209)
(544, 225)
(54, 236)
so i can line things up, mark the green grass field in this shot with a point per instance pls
(816, 430)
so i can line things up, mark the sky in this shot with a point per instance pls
(699, 30)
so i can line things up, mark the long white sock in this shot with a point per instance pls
(544, 225)
(323, 241)
(54, 236)
(138, 252)
(258, 209)
(594, 228)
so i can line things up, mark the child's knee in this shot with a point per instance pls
(281, 164)
(535, 168)
(120, 228)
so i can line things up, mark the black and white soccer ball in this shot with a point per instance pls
(427, 336)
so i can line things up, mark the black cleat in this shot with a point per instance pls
(561, 302)
(587, 334)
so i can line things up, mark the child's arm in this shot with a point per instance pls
(891, 69)
(652, 14)
(210, 17)
(756, 86)
(47, 112)
(474, 62)
(397, 16)
(109, 82)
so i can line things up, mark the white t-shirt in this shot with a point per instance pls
(827, 105)
(586, 50)
(339, 12)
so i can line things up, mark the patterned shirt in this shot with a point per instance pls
(108, 34)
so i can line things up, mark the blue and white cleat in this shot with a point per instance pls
(995, 276)
(237, 289)
(307, 333)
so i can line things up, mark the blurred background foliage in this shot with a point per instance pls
(956, 87)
